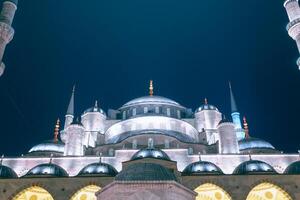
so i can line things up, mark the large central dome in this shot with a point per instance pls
(151, 100)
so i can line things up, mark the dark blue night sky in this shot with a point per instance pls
(111, 49)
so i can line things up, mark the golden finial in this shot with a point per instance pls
(205, 101)
(151, 88)
(56, 131)
(246, 127)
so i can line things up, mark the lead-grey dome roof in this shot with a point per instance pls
(254, 167)
(98, 169)
(206, 107)
(151, 100)
(145, 172)
(202, 168)
(254, 143)
(48, 170)
(7, 172)
(150, 153)
(293, 168)
(48, 146)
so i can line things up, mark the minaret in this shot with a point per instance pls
(293, 27)
(236, 116)
(7, 14)
(70, 112)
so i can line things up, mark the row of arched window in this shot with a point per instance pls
(263, 191)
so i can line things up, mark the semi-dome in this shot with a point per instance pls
(48, 170)
(202, 168)
(145, 172)
(206, 107)
(98, 169)
(150, 153)
(7, 172)
(151, 100)
(49, 146)
(293, 168)
(254, 167)
(254, 143)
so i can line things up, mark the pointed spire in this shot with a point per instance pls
(232, 100)
(70, 110)
(205, 101)
(151, 88)
(56, 131)
(246, 128)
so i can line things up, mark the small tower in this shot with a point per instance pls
(236, 116)
(7, 14)
(74, 144)
(293, 27)
(228, 143)
(93, 120)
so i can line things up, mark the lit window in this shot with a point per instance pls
(134, 111)
(168, 112)
(157, 110)
(145, 109)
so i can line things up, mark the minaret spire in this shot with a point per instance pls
(232, 100)
(236, 116)
(151, 88)
(7, 14)
(246, 128)
(56, 131)
(70, 112)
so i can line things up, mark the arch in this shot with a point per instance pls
(209, 191)
(86, 193)
(33, 193)
(268, 191)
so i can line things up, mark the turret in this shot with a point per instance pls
(7, 14)
(228, 143)
(293, 27)
(207, 118)
(75, 136)
(93, 120)
(236, 118)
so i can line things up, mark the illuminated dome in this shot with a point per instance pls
(95, 108)
(145, 172)
(49, 146)
(206, 107)
(98, 169)
(293, 168)
(6, 172)
(150, 153)
(151, 100)
(254, 167)
(254, 143)
(48, 170)
(202, 168)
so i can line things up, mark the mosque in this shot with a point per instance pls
(150, 148)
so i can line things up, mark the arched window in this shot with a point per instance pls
(268, 191)
(211, 191)
(167, 144)
(111, 152)
(190, 151)
(86, 193)
(145, 109)
(168, 112)
(134, 112)
(134, 144)
(33, 193)
(150, 143)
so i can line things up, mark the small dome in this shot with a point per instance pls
(7, 172)
(254, 143)
(95, 108)
(254, 167)
(293, 168)
(145, 172)
(151, 100)
(206, 107)
(48, 170)
(202, 168)
(49, 146)
(150, 153)
(98, 169)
